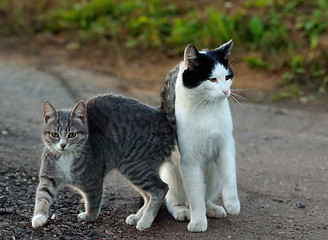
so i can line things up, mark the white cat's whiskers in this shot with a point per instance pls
(241, 89)
(204, 101)
(239, 96)
(234, 61)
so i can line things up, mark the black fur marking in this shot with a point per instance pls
(198, 71)
(54, 184)
(47, 190)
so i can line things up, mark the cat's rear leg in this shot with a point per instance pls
(92, 202)
(175, 198)
(156, 190)
(134, 218)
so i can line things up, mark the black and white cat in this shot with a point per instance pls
(195, 97)
(84, 144)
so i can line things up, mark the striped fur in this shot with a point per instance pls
(112, 132)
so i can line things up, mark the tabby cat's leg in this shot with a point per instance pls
(45, 194)
(194, 183)
(176, 198)
(213, 188)
(92, 202)
(156, 189)
(134, 218)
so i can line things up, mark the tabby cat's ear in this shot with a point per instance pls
(191, 56)
(224, 50)
(49, 112)
(80, 111)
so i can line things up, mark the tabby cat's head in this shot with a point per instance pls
(64, 130)
(208, 73)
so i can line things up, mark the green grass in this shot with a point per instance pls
(285, 33)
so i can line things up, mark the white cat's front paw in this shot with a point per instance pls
(232, 207)
(182, 214)
(39, 220)
(197, 226)
(132, 219)
(215, 211)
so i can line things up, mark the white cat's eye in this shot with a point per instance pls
(212, 79)
(72, 135)
(228, 77)
(54, 134)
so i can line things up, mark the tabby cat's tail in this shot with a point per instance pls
(168, 96)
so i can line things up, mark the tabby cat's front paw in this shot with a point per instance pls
(85, 217)
(143, 225)
(39, 220)
(197, 226)
(232, 207)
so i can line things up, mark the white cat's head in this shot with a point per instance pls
(207, 73)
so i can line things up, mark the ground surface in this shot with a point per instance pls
(282, 164)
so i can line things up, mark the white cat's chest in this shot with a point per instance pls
(203, 131)
(63, 166)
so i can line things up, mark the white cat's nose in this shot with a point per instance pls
(225, 92)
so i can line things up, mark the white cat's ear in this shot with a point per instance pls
(49, 112)
(80, 111)
(191, 55)
(224, 49)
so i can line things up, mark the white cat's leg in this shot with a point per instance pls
(175, 198)
(193, 179)
(227, 170)
(213, 188)
(134, 218)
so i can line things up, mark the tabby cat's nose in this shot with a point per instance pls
(63, 145)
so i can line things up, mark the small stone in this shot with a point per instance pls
(4, 132)
(277, 200)
(108, 232)
(18, 230)
(53, 216)
(300, 205)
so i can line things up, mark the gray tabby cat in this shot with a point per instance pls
(108, 132)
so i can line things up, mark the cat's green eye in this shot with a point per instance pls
(55, 134)
(228, 77)
(72, 135)
(212, 79)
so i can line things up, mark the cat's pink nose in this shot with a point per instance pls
(63, 145)
(225, 92)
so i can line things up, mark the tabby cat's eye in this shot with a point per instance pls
(228, 77)
(212, 79)
(72, 135)
(55, 134)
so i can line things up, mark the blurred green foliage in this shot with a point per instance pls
(285, 34)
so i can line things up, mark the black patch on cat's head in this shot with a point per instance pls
(200, 65)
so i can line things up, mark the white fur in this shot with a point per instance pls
(39, 220)
(63, 165)
(206, 144)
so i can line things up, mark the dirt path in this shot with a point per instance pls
(282, 165)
